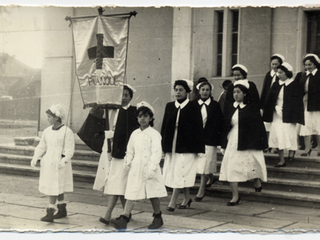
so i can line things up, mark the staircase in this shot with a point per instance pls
(297, 184)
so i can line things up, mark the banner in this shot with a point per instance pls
(100, 45)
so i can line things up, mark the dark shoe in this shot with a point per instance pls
(211, 181)
(259, 189)
(157, 221)
(267, 150)
(290, 158)
(233, 203)
(106, 222)
(307, 153)
(199, 199)
(170, 209)
(276, 151)
(49, 216)
(120, 223)
(281, 165)
(62, 211)
(185, 206)
(120, 217)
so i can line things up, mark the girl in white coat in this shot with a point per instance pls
(144, 179)
(56, 148)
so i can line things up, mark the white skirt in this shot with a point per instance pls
(283, 135)
(312, 124)
(180, 169)
(241, 166)
(207, 164)
(117, 178)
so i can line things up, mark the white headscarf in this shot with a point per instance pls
(59, 111)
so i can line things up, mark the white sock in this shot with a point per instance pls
(52, 206)
(61, 202)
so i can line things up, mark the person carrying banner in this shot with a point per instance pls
(111, 174)
(56, 148)
(145, 180)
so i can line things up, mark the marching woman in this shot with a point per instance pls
(240, 73)
(243, 141)
(145, 180)
(112, 175)
(270, 78)
(182, 141)
(57, 148)
(284, 109)
(310, 83)
(212, 121)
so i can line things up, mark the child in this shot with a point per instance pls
(57, 148)
(142, 158)
(244, 139)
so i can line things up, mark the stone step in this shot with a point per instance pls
(83, 165)
(312, 162)
(34, 141)
(15, 169)
(29, 150)
(269, 196)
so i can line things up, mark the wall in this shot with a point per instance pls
(148, 65)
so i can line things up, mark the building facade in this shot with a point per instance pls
(166, 44)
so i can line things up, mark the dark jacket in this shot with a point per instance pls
(252, 133)
(253, 92)
(190, 130)
(313, 90)
(265, 89)
(213, 128)
(292, 103)
(125, 125)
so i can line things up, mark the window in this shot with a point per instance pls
(313, 32)
(227, 27)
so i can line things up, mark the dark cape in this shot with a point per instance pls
(313, 90)
(252, 133)
(92, 131)
(190, 130)
(213, 128)
(293, 111)
(266, 88)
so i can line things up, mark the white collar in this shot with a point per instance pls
(272, 73)
(207, 102)
(313, 72)
(181, 105)
(145, 130)
(236, 104)
(126, 107)
(286, 82)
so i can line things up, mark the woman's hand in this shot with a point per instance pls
(222, 150)
(62, 162)
(33, 162)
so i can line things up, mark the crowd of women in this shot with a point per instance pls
(242, 123)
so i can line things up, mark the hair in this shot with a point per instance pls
(226, 83)
(129, 90)
(183, 84)
(145, 110)
(205, 83)
(276, 57)
(53, 115)
(244, 74)
(245, 90)
(313, 60)
(288, 73)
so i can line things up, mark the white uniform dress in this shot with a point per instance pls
(241, 166)
(54, 180)
(111, 177)
(311, 119)
(282, 135)
(144, 152)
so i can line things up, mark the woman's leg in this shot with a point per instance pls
(123, 201)
(186, 193)
(256, 182)
(235, 191)
(128, 208)
(318, 142)
(202, 187)
(174, 197)
(52, 200)
(307, 143)
(281, 157)
(112, 201)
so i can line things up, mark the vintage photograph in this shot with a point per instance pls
(160, 119)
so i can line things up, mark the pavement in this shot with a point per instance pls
(22, 206)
